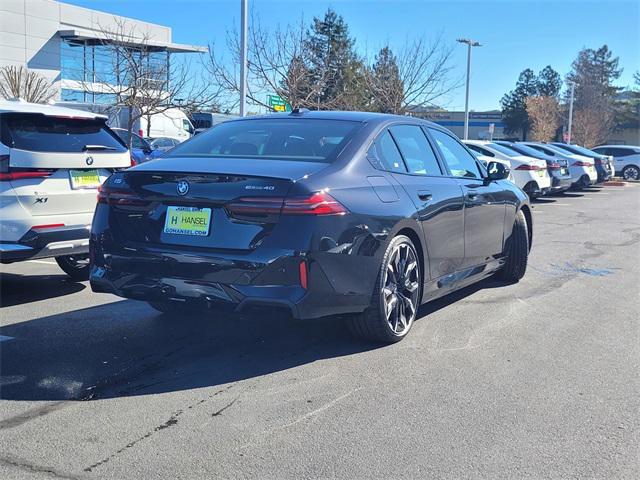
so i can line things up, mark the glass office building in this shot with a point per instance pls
(70, 46)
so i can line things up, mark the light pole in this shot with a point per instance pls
(573, 86)
(243, 57)
(470, 43)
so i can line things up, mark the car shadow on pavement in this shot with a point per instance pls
(125, 349)
(570, 195)
(18, 289)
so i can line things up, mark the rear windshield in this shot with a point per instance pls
(506, 150)
(524, 150)
(42, 133)
(576, 149)
(310, 140)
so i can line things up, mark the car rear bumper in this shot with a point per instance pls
(47, 243)
(560, 184)
(235, 282)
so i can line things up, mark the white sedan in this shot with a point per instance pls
(530, 174)
(582, 169)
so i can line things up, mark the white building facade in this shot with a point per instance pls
(69, 45)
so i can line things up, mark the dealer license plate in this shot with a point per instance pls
(188, 221)
(84, 179)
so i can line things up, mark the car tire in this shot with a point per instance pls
(396, 297)
(631, 172)
(76, 266)
(516, 250)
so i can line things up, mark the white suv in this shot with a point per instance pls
(52, 161)
(626, 159)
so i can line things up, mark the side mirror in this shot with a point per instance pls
(497, 171)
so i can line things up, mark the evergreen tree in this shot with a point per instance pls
(333, 65)
(549, 82)
(514, 108)
(593, 74)
(386, 86)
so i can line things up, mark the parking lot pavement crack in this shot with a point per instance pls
(30, 467)
(170, 422)
(219, 412)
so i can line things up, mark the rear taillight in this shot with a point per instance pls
(140, 133)
(8, 173)
(256, 206)
(529, 167)
(110, 196)
(580, 163)
(47, 226)
(319, 203)
(133, 161)
(22, 174)
(553, 166)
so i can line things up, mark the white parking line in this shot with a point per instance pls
(42, 261)
(4, 338)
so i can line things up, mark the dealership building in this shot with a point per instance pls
(69, 45)
(481, 124)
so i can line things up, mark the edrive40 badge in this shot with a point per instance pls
(182, 187)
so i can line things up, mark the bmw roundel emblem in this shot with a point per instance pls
(182, 187)
(89, 160)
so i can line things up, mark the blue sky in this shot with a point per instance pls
(515, 34)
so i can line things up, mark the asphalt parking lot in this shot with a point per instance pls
(538, 379)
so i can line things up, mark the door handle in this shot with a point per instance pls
(424, 195)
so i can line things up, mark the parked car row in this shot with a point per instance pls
(546, 168)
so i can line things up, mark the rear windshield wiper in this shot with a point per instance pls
(96, 147)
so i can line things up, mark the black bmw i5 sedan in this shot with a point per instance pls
(320, 213)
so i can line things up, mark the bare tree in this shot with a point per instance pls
(20, 82)
(277, 64)
(544, 113)
(425, 71)
(591, 126)
(143, 79)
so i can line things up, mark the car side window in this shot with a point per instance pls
(385, 153)
(137, 142)
(620, 152)
(460, 161)
(416, 150)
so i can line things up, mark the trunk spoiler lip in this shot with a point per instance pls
(291, 169)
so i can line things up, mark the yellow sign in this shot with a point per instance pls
(84, 179)
(188, 221)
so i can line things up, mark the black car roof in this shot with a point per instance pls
(369, 117)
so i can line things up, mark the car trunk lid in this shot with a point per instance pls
(238, 200)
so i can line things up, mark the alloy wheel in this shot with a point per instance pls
(631, 173)
(401, 288)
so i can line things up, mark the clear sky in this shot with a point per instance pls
(516, 34)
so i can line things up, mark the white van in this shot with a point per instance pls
(172, 123)
(52, 161)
